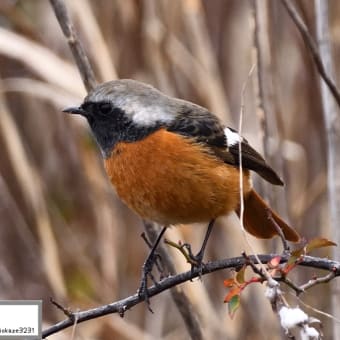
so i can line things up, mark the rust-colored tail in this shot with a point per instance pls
(257, 219)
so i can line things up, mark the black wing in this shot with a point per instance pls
(204, 127)
(252, 160)
(200, 124)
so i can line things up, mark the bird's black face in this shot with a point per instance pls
(104, 113)
(110, 124)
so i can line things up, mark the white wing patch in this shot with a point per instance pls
(232, 137)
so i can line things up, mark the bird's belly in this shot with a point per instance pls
(168, 179)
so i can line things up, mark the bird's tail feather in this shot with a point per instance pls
(259, 219)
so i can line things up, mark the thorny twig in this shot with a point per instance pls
(317, 280)
(72, 316)
(169, 282)
(67, 311)
(253, 266)
(291, 284)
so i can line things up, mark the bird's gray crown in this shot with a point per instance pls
(142, 103)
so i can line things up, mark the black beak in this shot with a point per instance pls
(75, 111)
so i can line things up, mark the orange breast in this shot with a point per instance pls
(168, 179)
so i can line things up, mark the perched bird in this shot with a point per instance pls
(172, 161)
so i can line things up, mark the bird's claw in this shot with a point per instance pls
(147, 273)
(196, 261)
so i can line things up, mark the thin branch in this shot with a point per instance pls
(285, 245)
(123, 305)
(184, 248)
(256, 270)
(291, 284)
(317, 280)
(310, 43)
(78, 52)
(67, 311)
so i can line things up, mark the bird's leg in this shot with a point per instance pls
(157, 257)
(147, 269)
(197, 260)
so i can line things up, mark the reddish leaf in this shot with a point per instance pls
(229, 282)
(318, 243)
(233, 292)
(240, 275)
(274, 262)
(233, 305)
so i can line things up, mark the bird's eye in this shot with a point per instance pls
(105, 108)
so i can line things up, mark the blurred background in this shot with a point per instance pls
(64, 233)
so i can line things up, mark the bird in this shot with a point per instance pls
(174, 162)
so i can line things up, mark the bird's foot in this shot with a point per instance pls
(153, 259)
(146, 274)
(196, 261)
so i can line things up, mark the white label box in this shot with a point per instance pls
(20, 319)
